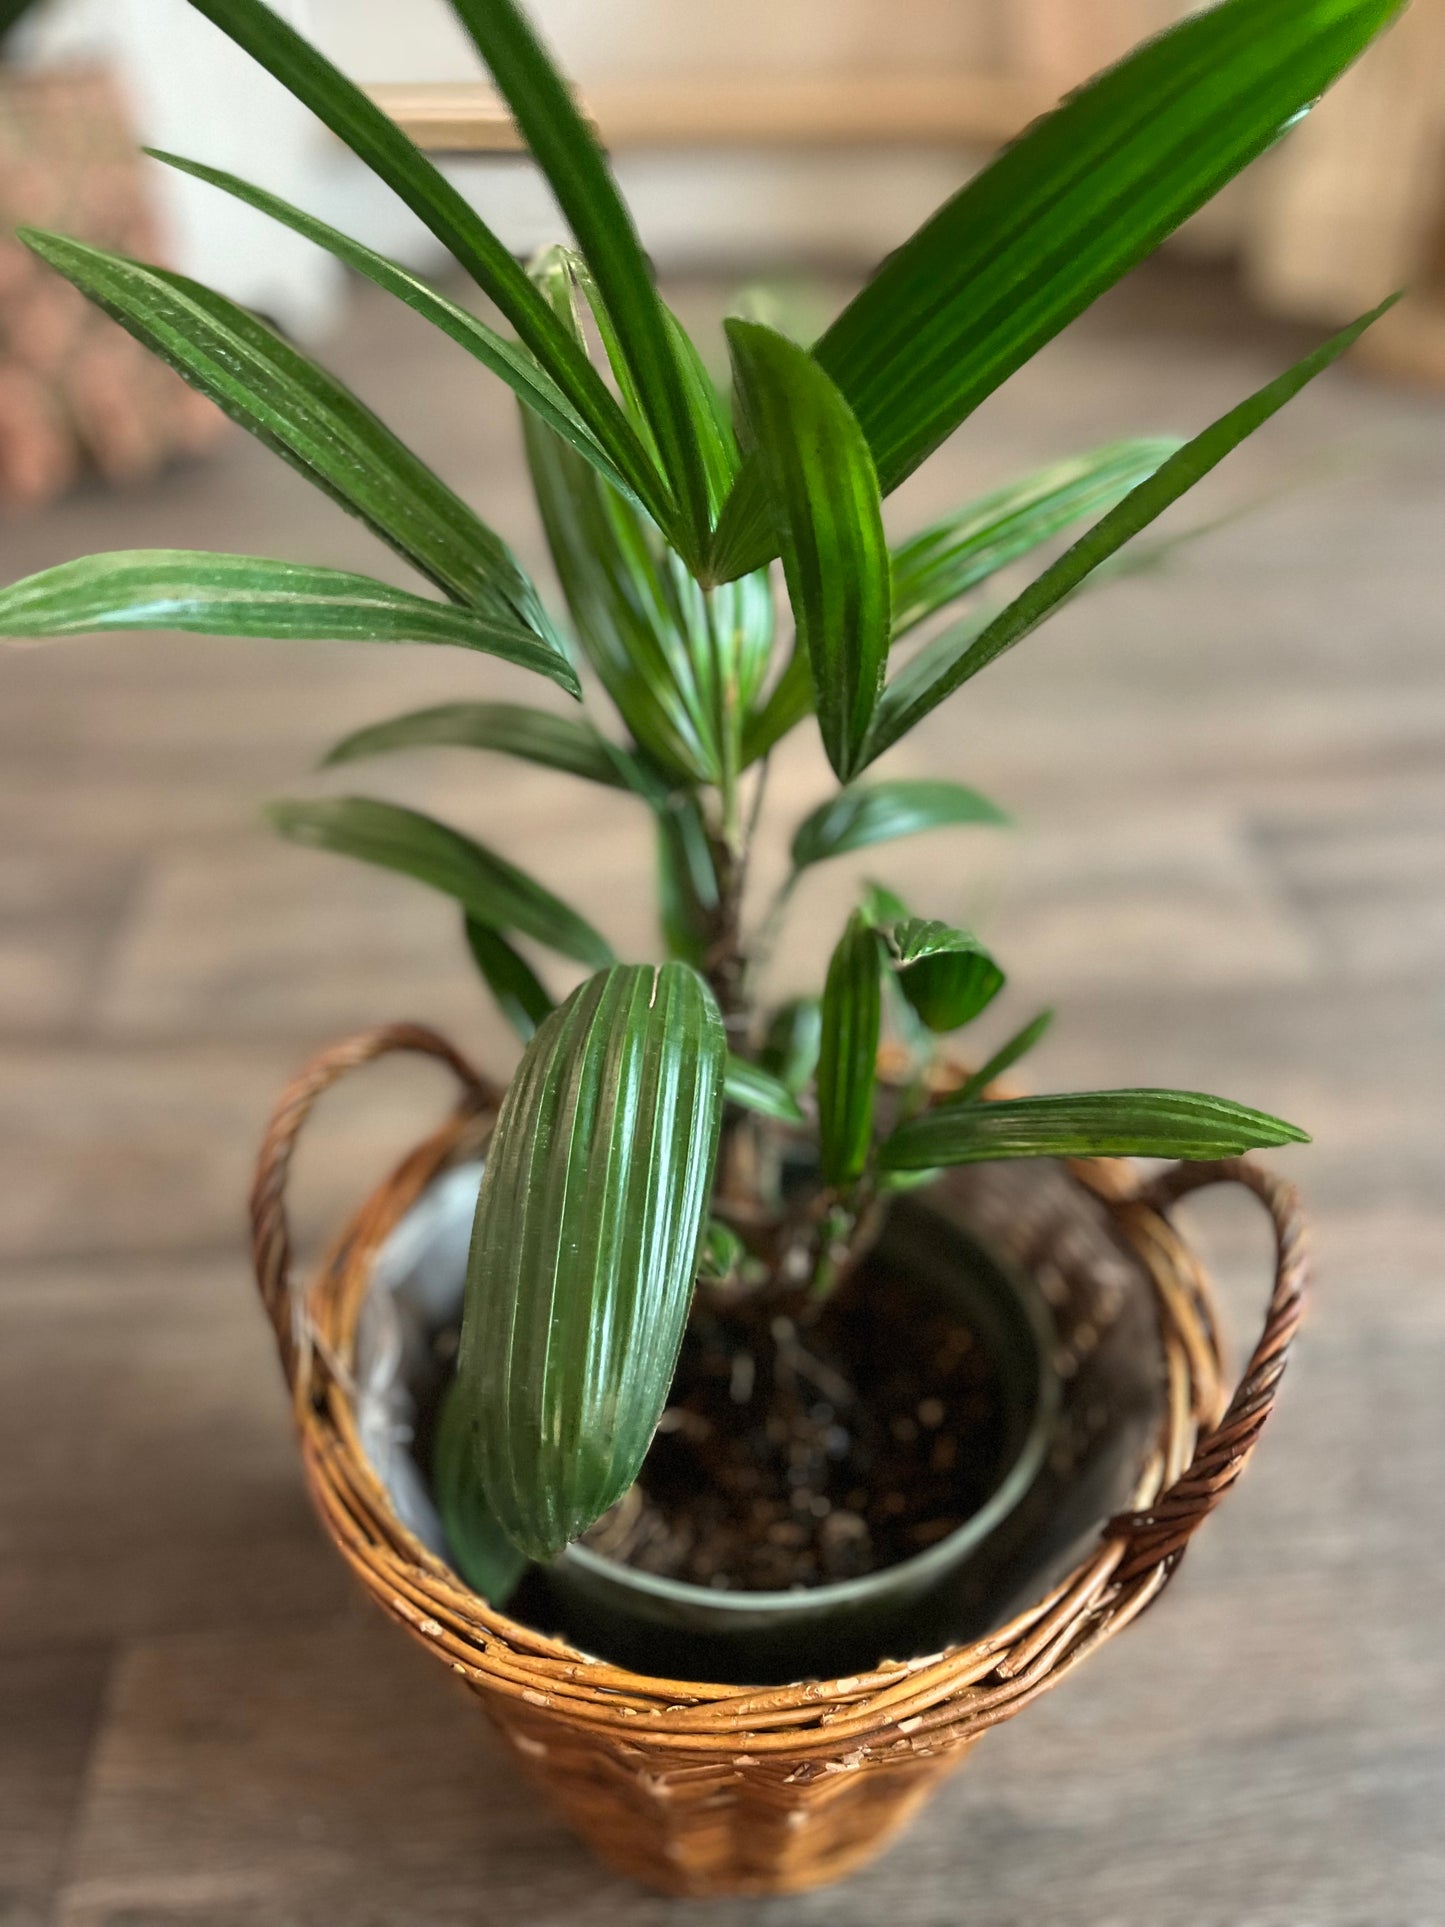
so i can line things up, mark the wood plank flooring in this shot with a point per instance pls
(1229, 873)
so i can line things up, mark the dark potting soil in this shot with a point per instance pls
(798, 1453)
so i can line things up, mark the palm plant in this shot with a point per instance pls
(654, 1130)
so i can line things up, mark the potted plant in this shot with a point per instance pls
(774, 1318)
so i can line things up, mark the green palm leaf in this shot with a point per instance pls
(946, 665)
(491, 891)
(856, 818)
(514, 729)
(829, 523)
(564, 148)
(585, 1247)
(246, 595)
(1061, 215)
(377, 140)
(848, 1052)
(1154, 1124)
(515, 365)
(521, 996)
(305, 416)
(956, 554)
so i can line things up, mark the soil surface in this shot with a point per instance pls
(800, 1453)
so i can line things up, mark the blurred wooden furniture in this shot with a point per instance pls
(1350, 207)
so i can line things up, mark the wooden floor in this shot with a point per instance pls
(1230, 874)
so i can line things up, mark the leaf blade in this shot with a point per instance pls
(304, 415)
(1003, 1059)
(520, 994)
(936, 675)
(866, 814)
(829, 521)
(1061, 215)
(946, 974)
(489, 888)
(848, 1054)
(565, 149)
(752, 1088)
(514, 729)
(516, 366)
(1129, 1123)
(244, 595)
(377, 141)
(588, 1228)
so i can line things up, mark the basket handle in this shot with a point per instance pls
(270, 1231)
(1159, 1534)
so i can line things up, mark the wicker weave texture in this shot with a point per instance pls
(703, 1789)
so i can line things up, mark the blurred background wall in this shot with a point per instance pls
(823, 128)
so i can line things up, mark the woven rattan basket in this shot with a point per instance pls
(704, 1789)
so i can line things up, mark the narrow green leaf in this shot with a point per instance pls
(1003, 1059)
(306, 417)
(794, 1038)
(788, 702)
(564, 148)
(246, 595)
(1061, 215)
(930, 677)
(585, 1247)
(1081, 1124)
(521, 996)
(883, 907)
(488, 888)
(481, 1551)
(881, 812)
(377, 140)
(536, 735)
(515, 365)
(687, 890)
(721, 1255)
(848, 1055)
(955, 555)
(618, 585)
(755, 1089)
(946, 974)
(829, 523)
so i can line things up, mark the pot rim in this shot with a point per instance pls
(799, 1601)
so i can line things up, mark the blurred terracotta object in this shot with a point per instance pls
(77, 396)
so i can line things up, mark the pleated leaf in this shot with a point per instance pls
(376, 140)
(828, 520)
(941, 668)
(513, 729)
(793, 1040)
(1155, 1124)
(946, 975)
(585, 1247)
(565, 149)
(481, 1552)
(1061, 215)
(492, 891)
(515, 365)
(246, 595)
(617, 584)
(755, 1089)
(1003, 1059)
(881, 812)
(305, 416)
(687, 889)
(848, 1052)
(954, 555)
(520, 994)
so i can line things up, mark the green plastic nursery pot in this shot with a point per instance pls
(946, 1592)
